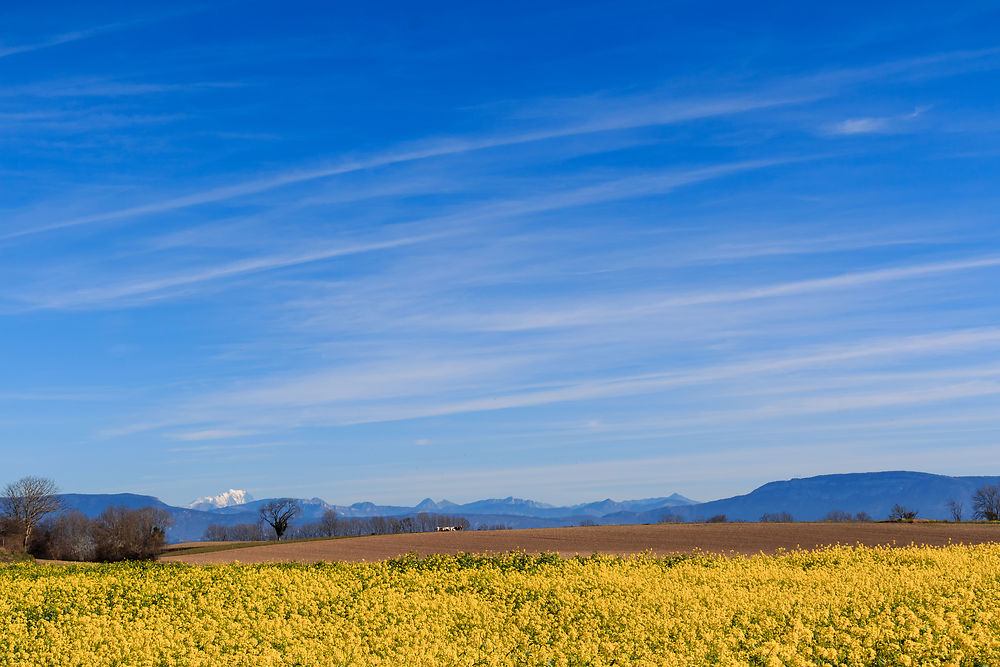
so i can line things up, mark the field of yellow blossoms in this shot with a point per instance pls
(923, 606)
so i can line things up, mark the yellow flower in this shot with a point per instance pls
(829, 607)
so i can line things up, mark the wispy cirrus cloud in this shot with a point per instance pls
(652, 383)
(63, 38)
(84, 34)
(79, 121)
(876, 124)
(394, 391)
(550, 317)
(931, 66)
(427, 150)
(212, 434)
(231, 447)
(104, 88)
(607, 114)
(462, 221)
(155, 288)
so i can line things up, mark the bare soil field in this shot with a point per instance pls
(660, 539)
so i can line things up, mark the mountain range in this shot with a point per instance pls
(806, 499)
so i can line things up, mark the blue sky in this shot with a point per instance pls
(563, 252)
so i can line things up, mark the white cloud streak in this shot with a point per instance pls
(108, 88)
(363, 396)
(56, 40)
(212, 434)
(444, 148)
(551, 318)
(652, 383)
(875, 125)
(225, 271)
(619, 189)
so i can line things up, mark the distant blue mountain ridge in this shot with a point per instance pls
(806, 499)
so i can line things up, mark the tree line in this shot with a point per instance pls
(276, 517)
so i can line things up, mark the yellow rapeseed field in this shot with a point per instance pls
(854, 606)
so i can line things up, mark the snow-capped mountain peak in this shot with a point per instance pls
(227, 499)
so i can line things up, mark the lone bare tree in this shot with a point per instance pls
(27, 501)
(986, 503)
(956, 508)
(278, 513)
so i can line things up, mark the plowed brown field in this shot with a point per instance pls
(660, 539)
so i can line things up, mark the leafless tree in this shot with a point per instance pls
(216, 532)
(328, 524)
(901, 513)
(378, 525)
(278, 513)
(670, 518)
(718, 518)
(986, 503)
(27, 501)
(247, 532)
(862, 516)
(956, 510)
(493, 526)
(777, 517)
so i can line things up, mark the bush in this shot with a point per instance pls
(839, 516)
(119, 533)
(10, 535)
(67, 537)
(14, 557)
(123, 534)
(718, 518)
